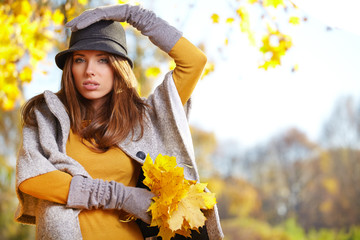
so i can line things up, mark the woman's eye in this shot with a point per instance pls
(79, 60)
(104, 60)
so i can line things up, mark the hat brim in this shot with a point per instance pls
(98, 45)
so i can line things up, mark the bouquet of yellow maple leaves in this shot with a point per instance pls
(178, 202)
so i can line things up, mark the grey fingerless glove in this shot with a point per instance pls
(159, 31)
(87, 193)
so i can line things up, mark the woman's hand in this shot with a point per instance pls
(88, 193)
(88, 17)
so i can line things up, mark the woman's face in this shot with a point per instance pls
(93, 75)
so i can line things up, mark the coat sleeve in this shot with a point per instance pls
(40, 154)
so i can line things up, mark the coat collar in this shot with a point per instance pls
(58, 109)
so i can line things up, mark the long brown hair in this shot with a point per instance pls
(121, 114)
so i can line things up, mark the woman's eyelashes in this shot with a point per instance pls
(82, 60)
(79, 60)
(104, 60)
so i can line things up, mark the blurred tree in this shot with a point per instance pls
(333, 192)
(235, 197)
(25, 40)
(30, 30)
(204, 145)
(274, 170)
(227, 159)
(342, 128)
(9, 140)
(330, 199)
(296, 177)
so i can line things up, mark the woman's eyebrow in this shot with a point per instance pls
(97, 55)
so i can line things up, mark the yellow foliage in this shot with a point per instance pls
(325, 162)
(295, 68)
(58, 17)
(123, 1)
(245, 23)
(26, 37)
(273, 3)
(209, 67)
(189, 208)
(230, 20)
(172, 65)
(275, 45)
(294, 20)
(326, 206)
(244, 198)
(125, 25)
(331, 185)
(244, 15)
(215, 18)
(152, 72)
(178, 202)
(271, 55)
(83, 2)
(217, 185)
(26, 74)
(74, 8)
(21, 9)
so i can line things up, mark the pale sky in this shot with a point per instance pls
(240, 102)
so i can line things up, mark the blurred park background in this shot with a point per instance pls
(275, 117)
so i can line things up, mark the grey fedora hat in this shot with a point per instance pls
(105, 35)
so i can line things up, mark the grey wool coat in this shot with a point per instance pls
(44, 150)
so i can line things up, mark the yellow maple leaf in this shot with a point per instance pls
(178, 202)
(166, 233)
(189, 208)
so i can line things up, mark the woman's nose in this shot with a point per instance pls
(90, 70)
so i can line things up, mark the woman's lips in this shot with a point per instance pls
(91, 85)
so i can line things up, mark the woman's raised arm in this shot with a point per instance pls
(189, 60)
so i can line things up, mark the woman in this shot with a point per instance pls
(83, 147)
